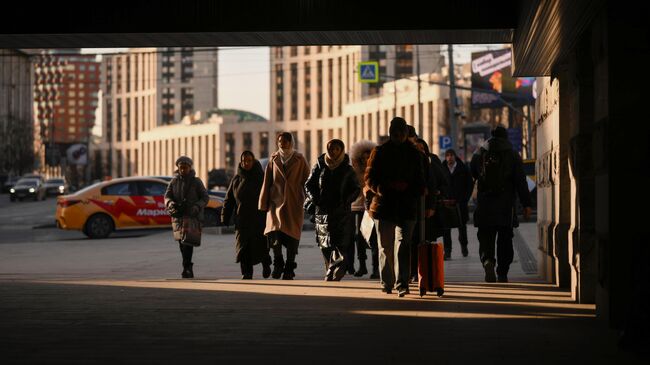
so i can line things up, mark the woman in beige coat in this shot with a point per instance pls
(282, 197)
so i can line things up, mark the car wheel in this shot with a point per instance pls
(211, 219)
(12, 199)
(98, 226)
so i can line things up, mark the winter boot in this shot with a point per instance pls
(363, 270)
(266, 269)
(289, 274)
(278, 267)
(187, 271)
(375, 272)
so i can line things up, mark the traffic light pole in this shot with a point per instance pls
(453, 124)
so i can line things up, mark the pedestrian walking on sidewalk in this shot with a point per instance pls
(460, 189)
(282, 197)
(359, 154)
(499, 172)
(395, 178)
(185, 199)
(331, 188)
(435, 181)
(242, 199)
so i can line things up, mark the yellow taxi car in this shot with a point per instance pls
(123, 203)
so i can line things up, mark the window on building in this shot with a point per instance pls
(294, 91)
(128, 74)
(118, 120)
(187, 101)
(330, 87)
(307, 92)
(293, 51)
(308, 146)
(264, 144)
(340, 79)
(248, 141)
(279, 95)
(109, 121)
(319, 86)
(230, 150)
(128, 119)
(319, 141)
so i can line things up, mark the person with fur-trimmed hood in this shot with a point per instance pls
(331, 188)
(359, 154)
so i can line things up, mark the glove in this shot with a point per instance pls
(172, 209)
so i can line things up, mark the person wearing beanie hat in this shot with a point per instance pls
(185, 199)
(499, 173)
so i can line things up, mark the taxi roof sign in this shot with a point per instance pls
(368, 72)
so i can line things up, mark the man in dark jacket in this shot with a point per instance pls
(396, 182)
(499, 172)
(460, 189)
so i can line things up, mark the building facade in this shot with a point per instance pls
(16, 111)
(214, 143)
(65, 101)
(315, 94)
(187, 82)
(129, 85)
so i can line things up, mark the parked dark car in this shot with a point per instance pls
(55, 186)
(31, 188)
(9, 183)
(34, 176)
(166, 178)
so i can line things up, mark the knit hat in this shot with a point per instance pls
(184, 159)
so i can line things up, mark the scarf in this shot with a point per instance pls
(286, 154)
(333, 164)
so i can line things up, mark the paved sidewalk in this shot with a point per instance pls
(119, 300)
(304, 321)
(156, 256)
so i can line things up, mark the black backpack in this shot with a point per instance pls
(495, 171)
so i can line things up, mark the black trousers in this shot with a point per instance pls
(186, 253)
(360, 243)
(462, 238)
(502, 237)
(279, 239)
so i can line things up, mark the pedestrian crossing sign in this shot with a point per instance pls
(368, 72)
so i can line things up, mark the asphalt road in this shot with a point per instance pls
(34, 221)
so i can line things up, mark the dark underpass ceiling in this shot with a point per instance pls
(258, 23)
(540, 31)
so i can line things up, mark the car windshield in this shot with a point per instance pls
(26, 182)
(54, 181)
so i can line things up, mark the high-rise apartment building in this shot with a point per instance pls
(401, 61)
(311, 87)
(66, 90)
(129, 85)
(187, 82)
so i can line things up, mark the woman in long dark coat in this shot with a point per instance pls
(331, 188)
(242, 199)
